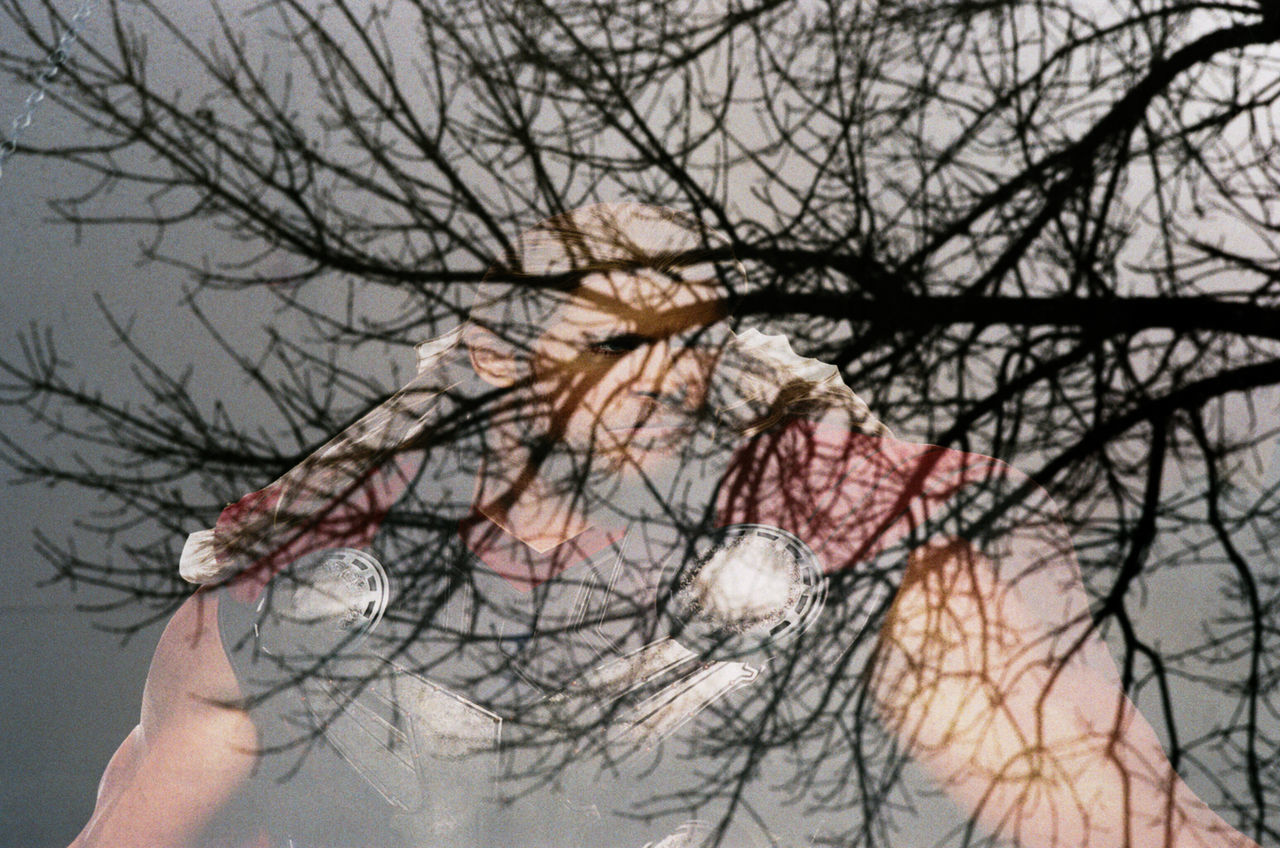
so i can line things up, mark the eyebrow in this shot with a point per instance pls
(701, 315)
(709, 311)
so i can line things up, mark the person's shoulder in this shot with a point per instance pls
(820, 454)
(851, 494)
(190, 663)
(831, 486)
(193, 747)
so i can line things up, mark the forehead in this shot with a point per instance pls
(646, 298)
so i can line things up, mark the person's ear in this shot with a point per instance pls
(493, 360)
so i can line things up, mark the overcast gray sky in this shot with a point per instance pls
(69, 689)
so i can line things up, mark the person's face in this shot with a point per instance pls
(622, 370)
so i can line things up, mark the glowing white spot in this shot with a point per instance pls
(747, 582)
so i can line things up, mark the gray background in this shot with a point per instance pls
(69, 686)
(70, 689)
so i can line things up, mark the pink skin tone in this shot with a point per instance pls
(967, 675)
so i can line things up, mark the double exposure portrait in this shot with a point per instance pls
(682, 425)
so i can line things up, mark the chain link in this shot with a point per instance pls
(53, 64)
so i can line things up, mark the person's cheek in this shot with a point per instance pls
(582, 396)
(695, 366)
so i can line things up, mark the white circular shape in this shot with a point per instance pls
(750, 580)
(345, 586)
(745, 587)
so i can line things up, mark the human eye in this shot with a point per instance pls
(617, 345)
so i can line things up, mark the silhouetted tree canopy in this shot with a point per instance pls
(1048, 232)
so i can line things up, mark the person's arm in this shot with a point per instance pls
(189, 753)
(1032, 738)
